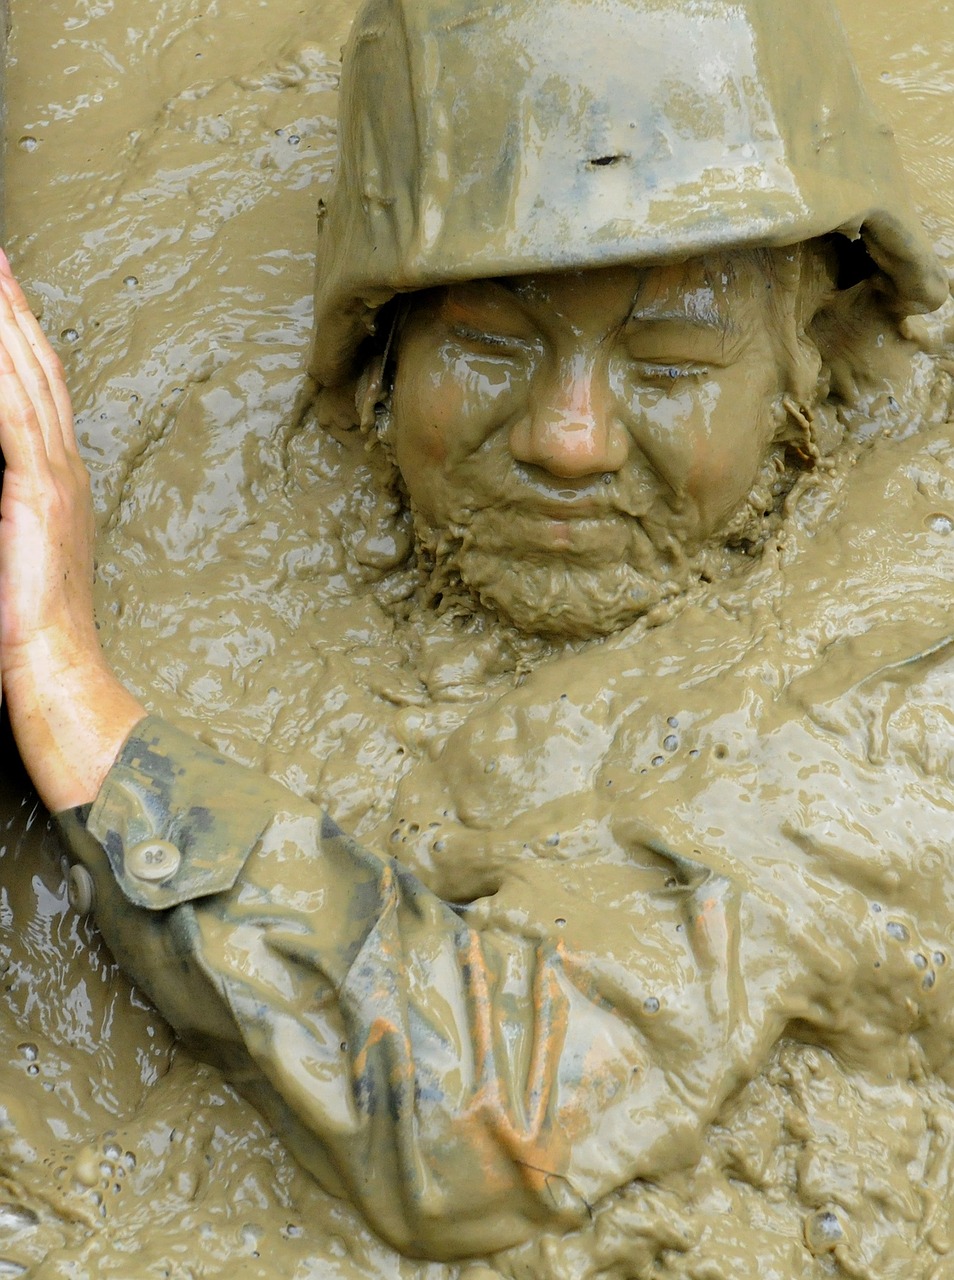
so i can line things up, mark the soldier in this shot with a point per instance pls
(598, 277)
(586, 274)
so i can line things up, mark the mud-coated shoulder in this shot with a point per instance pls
(176, 819)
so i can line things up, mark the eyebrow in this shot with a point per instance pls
(708, 319)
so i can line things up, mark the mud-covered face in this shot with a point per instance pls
(570, 442)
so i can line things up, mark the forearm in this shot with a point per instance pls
(435, 1069)
(69, 713)
(69, 721)
(337, 994)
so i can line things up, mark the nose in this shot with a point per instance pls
(570, 429)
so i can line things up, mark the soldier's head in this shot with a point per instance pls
(586, 266)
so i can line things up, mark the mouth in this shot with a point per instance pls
(582, 501)
(564, 508)
(606, 498)
(589, 530)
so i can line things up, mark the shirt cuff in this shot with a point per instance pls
(176, 819)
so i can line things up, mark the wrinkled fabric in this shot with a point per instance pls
(477, 1064)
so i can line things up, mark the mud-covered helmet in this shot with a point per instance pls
(484, 138)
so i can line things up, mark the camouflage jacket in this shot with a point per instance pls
(476, 1064)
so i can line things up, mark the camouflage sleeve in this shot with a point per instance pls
(436, 1065)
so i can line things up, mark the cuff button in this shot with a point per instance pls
(80, 891)
(153, 860)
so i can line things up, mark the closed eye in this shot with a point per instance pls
(662, 372)
(483, 341)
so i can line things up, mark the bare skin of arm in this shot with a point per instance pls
(70, 714)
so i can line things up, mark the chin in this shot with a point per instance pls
(481, 565)
(557, 600)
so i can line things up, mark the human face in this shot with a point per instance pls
(570, 442)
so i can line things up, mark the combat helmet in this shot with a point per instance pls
(483, 138)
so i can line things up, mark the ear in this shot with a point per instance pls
(809, 428)
(369, 391)
(799, 433)
(814, 430)
(334, 409)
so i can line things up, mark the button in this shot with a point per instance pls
(153, 860)
(80, 891)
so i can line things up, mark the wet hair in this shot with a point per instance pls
(827, 313)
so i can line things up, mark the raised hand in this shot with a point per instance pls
(69, 712)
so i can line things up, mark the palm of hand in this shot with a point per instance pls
(68, 711)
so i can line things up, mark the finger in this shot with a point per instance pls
(32, 376)
(21, 438)
(48, 360)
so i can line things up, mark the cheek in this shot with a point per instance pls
(728, 451)
(445, 413)
(426, 407)
(682, 435)
(444, 409)
(428, 419)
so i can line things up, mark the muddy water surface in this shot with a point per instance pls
(163, 171)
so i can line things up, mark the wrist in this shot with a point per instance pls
(70, 721)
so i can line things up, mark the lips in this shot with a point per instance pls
(561, 510)
(589, 534)
(592, 500)
(562, 504)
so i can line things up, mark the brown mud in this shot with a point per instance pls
(162, 177)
